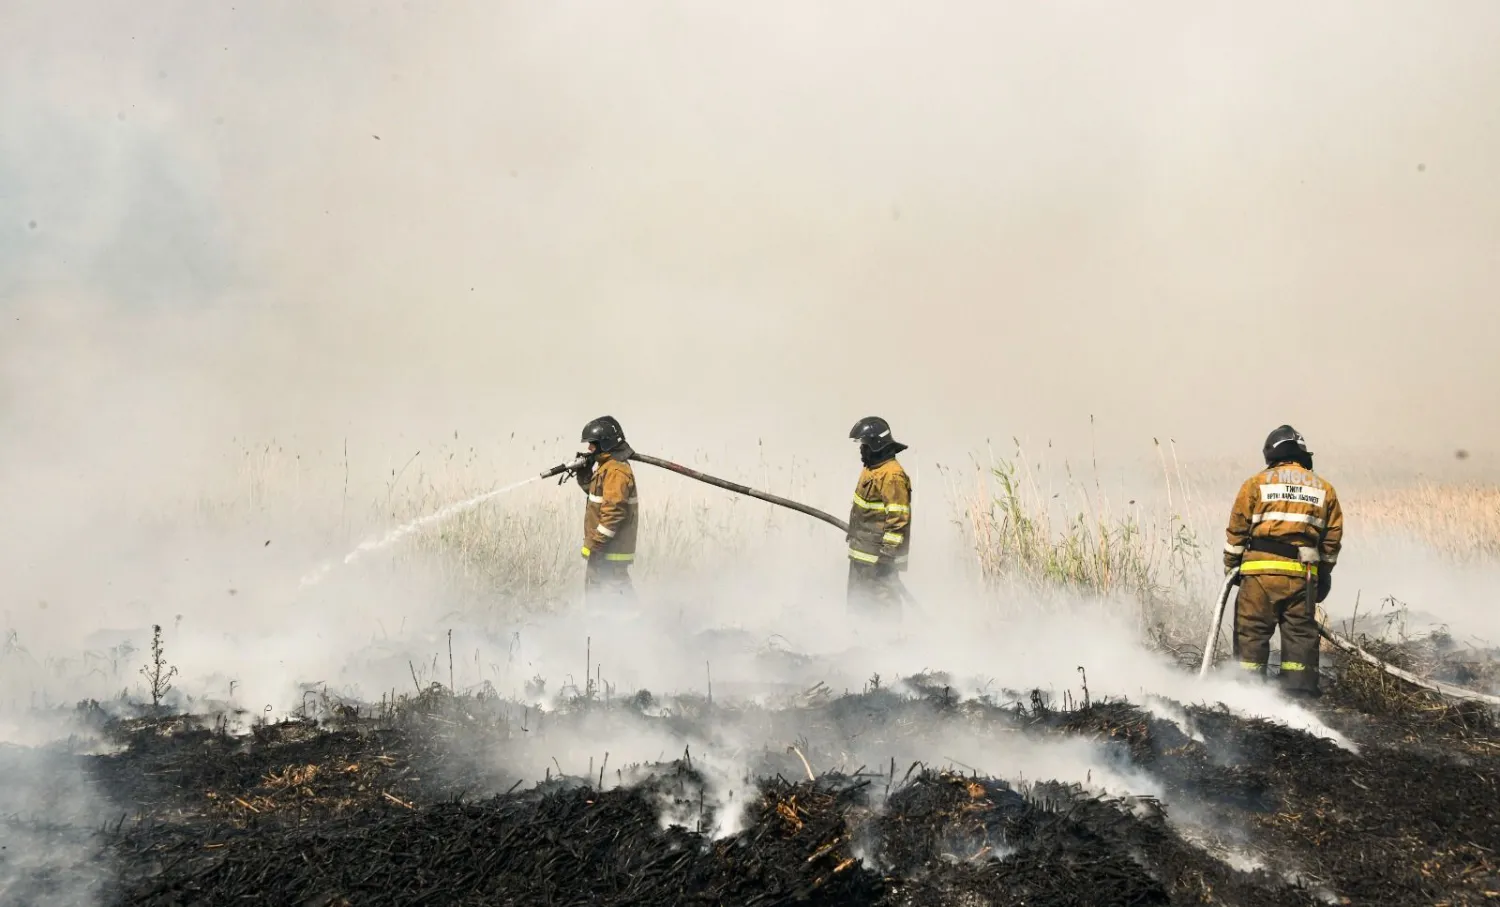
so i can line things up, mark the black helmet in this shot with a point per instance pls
(874, 434)
(1286, 443)
(605, 432)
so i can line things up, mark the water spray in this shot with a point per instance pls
(563, 469)
(405, 529)
(572, 468)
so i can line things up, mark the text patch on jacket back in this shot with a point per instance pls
(1295, 494)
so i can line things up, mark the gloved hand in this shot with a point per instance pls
(1325, 583)
(585, 473)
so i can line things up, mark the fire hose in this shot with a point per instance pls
(710, 480)
(1343, 645)
(742, 489)
(830, 519)
(1435, 686)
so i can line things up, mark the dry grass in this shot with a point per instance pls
(1460, 522)
(526, 553)
(1453, 514)
(1372, 691)
(1035, 532)
(1077, 540)
(517, 552)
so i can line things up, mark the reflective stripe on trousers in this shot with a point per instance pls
(1251, 568)
(1285, 666)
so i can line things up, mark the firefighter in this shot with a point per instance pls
(609, 517)
(879, 522)
(1285, 531)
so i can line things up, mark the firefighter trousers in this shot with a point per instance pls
(1267, 602)
(874, 590)
(607, 584)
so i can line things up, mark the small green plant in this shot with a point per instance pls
(157, 672)
(1075, 542)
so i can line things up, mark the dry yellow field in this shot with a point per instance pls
(1153, 551)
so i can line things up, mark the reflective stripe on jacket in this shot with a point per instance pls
(1290, 505)
(609, 519)
(880, 519)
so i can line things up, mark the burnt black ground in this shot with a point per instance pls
(413, 807)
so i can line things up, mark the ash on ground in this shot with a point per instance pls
(417, 801)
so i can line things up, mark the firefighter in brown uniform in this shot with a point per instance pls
(879, 522)
(1285, 531)
(609, 517)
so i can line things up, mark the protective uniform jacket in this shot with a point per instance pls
(609, 520)
(1284, 520)
(880, 520)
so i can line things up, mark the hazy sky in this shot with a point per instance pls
(724, 221)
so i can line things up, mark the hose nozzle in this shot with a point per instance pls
(572, 467)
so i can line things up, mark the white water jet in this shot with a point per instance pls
(405, 529)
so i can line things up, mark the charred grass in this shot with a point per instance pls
(411, 804)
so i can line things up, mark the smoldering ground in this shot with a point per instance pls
(363, 775)
(50, 811)
(373, 632)
(355, 237)
(746, 648)
(769, 703)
